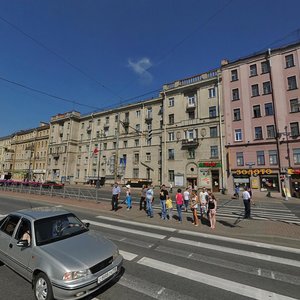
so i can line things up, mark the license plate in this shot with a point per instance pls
(107, 274)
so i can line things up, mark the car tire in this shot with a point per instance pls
(42, 287)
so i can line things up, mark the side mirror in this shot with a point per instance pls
(22, 243)
(87, 225)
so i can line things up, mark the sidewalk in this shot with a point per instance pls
(266, 231)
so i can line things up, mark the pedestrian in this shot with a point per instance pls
(203, 202)
(186, 197)
(237, 192)
(169, 206)
(116, 191)
(194, 207)
(179, 203)
(128, 197)
(149, 201)
(163, 198)
(247, 203)
(212, 205)
(143, 198)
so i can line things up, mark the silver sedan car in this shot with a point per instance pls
(57, 253)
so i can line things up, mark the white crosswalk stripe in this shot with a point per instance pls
(161, 292)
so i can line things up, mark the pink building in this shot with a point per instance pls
(262, 115)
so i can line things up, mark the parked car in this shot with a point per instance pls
(54, 184)
(57, 253)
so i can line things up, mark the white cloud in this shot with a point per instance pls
(140, 67)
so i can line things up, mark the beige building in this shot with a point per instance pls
(175, 138)
(5, 157)
(27, 156)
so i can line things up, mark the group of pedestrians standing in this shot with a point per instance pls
(206, 203)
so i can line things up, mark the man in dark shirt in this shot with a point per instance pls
(163, 198)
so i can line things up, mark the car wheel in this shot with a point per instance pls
(42, 287)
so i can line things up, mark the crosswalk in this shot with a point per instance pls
(225, 268)
(278, 212)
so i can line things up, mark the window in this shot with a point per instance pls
(238, 135)
(267, 88)
(269, 109)
(292, 83)
(295, 105)
(116, 118)
(106, 120)
(270, 131)
(171, 154)
(273, 159)
(236, 114)
(253, 70)
(171, 119)
(9, 224)
(191, 134)
(255, 90)
(265, 67)
(149, 113)
(213, 112)
(294, 129)
(239, 158)
(212, 92)
(82, 125)
(98, 122)
(171, 136)
(235, 94)
(234, 75)
(289, 61)
(125, 144)
(191, 115)
(135, 173)
(136, 158)
(136, 143)
(191, 101)
(138, 113)
(256, 111)
(171, 102)
(148, 156)
(114, 145)
(296, 156)
(213, 131)
(214, 153)
(260, 156)
(171, 175)
(105, 146)
(191, 153)
(138, 127)
(258, 133)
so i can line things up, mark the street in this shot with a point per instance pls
(166, 261)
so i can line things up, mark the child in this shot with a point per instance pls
(169, 206)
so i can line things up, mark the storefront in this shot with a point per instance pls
(209, 175)
(295, 182)
(260, 179)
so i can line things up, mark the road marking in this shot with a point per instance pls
(150, 289)
(127, 255)
(269, 258)
(127, 230)
(137, 223)
(129, 241)
(215, 282)
(243, 242)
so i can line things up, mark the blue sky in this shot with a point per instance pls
(101, 53)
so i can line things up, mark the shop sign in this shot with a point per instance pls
(253, 172)
(209, 164)
(293, 171)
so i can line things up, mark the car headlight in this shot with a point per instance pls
(76, 275)
(116, 254)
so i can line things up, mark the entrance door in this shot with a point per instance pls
(215, 181)
(192, 182)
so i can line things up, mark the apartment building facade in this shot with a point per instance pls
(262, 115)
(25, 154)
(5, 157)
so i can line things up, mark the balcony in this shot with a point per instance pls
(190, 107)
(55, 156)
(189, 143)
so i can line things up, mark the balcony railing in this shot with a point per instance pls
(190, 106)
(189, 143)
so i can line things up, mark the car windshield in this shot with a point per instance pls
(49, 230)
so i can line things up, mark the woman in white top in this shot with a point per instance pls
(186, 198)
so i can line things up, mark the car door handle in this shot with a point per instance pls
(10, 245)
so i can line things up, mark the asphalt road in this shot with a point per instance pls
(166, 263)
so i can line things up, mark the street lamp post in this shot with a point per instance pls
(99, 158)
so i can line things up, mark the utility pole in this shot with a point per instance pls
(117, 148)
(99, 159)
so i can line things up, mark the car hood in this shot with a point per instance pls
(80, 251)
